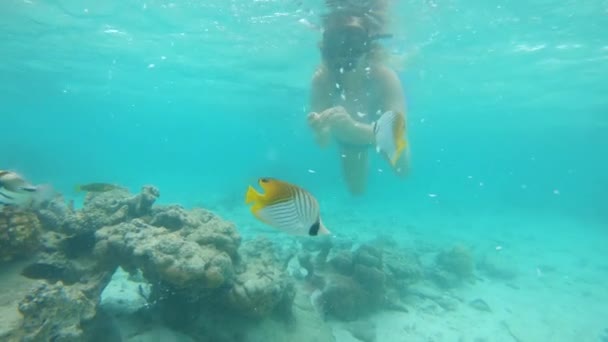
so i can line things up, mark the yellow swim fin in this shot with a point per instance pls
(401, 144)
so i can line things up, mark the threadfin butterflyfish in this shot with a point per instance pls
(389, 131)
(286, 207)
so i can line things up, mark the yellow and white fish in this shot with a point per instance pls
(286, 207)
(389, 130)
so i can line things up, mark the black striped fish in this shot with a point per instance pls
(286, 207)
(11, 181)
(390, 135)
(16, 191)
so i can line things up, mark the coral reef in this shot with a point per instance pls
(261, 286)
(356, 280)
(100, 209)
(197, 275)
(19, 233)
(192, 263)
(184, 259)
(55, 313)
(125, 294)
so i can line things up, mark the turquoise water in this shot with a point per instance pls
(507, 111)
(510, 94)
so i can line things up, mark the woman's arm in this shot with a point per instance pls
(391, 97)
(320, 100)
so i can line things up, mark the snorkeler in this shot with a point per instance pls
(350, 92)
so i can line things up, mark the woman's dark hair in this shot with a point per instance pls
(350, 31)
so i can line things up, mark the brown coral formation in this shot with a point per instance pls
(260, 286)
(201, 274)
(55, 313)
(192, 258)
(187, 258)
(19, 232)
(355, 282)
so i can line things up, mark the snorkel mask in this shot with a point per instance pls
(343, 47)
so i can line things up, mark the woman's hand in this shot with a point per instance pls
(325, 119)
(337, 122)
(318, 123)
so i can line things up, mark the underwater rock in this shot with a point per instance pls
(112, 207)
(78, 245)
(196, 257)
(371, 278)
(172, 217)
(143, 202)
(285, 250)
(260, 286)
(124, 295)
(365, 279)
(13, 288)
(305, 261)
(51, 242)
(342, 262)
(368, 255)
(480, 305)
(184, 259)
(341, 242)
(120, 199)
(457, 261)
(55, 313)
(213, 231)
(451, 267)
(401, 268)
(19, 233)
(57, 266)
(100, 209)
(368, 272)
(51, 270)
(54, 215)
(104, 328)
(295, 269)
(498, 266)
(344, 299)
